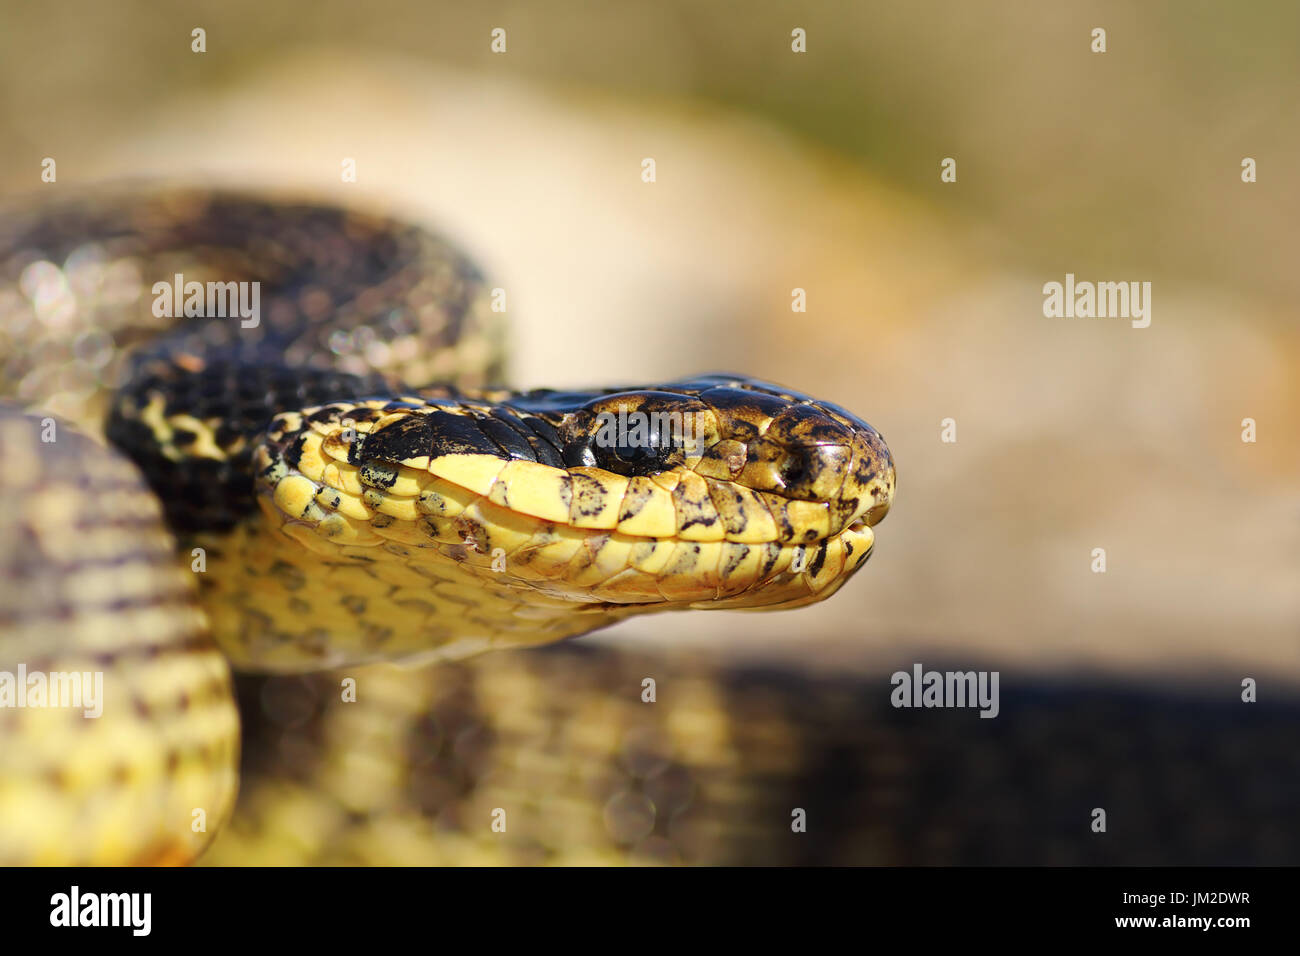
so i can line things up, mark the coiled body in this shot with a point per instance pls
(713, 771)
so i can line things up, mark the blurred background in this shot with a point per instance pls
(820, 171)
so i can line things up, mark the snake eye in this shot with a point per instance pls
(632, 454)
(630, 460)
(635, 453)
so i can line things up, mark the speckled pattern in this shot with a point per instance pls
(451, 523)
(334, 515)
(376, 764)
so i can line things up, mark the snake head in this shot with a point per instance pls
(561, 512)
(783, 490)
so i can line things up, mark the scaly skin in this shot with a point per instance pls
(89, 585)
(334, 515)
(560, 739)
(430, 539)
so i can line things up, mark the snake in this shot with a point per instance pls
(285, 537)
(331, 479)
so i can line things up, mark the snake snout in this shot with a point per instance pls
(829, 455)
(874, 475)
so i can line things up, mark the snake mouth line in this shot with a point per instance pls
(446, 528)
(308, 487)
